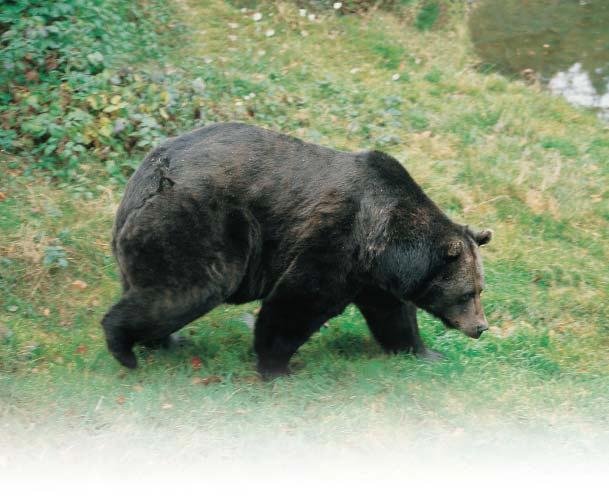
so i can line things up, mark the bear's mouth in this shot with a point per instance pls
(448, 324)
(452, 325)
(455, 326)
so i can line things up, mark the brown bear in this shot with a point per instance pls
(232, 213)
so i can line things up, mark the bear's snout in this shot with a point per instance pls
(483, 327)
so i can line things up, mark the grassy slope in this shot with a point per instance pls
(491, 152)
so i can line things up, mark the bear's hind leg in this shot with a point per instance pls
(151, 315)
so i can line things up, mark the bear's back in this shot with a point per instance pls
(268, 172)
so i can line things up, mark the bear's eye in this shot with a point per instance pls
(467, 297)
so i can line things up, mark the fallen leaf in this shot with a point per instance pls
(121, 400)
(46, 311)
(51, 63)
(31, 76)
(2, 196)
(205, 381)
(79, 284)
(196, 363)
(81, 350)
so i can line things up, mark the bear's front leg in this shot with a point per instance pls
(394, 325)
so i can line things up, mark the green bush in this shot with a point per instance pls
(68, 92)
(42, 40)
(74, 86)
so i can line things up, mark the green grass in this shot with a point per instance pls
(428, 15)
(490, 151)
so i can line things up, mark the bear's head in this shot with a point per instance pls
(452, 294)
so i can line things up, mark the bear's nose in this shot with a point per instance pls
(481, 328)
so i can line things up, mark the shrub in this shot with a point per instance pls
(67, 92)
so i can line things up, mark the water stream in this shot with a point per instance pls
(563, 43)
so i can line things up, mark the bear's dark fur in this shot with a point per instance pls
(231, 213)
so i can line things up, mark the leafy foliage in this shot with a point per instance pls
(67, 92)
(74, 90)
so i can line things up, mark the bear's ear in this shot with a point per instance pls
(454, 248)
(483, 237)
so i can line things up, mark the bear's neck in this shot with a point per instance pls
(403, 239)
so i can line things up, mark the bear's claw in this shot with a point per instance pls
(123, 354)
